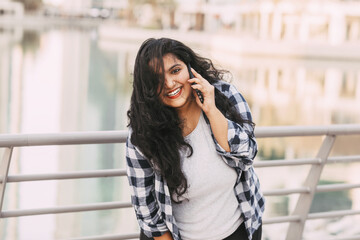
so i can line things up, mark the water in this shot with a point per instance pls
(70, 79)
(63, 82)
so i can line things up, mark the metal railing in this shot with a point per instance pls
(297, 219)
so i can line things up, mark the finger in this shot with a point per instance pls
(198, 87)
(194, 81)
(197, 98)
(196, 74)
(198, 80)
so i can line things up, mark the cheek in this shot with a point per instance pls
(185, 77)
(188, 91)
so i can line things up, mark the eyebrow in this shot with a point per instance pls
(173, 66)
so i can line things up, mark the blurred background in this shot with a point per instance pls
(67, 66)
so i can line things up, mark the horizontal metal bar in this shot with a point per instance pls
(111, 237)
(355, 237)
(67, 175)
(294, 131)
(278, 192)
(344, 159)
(332, 214)
(69, 138)
(285, 219)
(99, 137)
(336, 187)
(282, 219)
(67, 209)
(285, 162)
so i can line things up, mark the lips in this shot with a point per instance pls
(174, 93)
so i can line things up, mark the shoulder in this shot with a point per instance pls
(134, 154)
(222, 86)
(130, 147)
(230, 91)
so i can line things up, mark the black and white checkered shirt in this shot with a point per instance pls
(150, 194)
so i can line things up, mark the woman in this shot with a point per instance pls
(189, 162)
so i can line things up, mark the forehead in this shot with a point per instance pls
(168, 60)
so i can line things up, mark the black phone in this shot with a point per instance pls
(201, 97)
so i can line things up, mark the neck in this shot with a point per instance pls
(189, 114)
(188, 110)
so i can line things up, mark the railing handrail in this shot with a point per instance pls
(62, 138)
(119, 136)
(296, 220)
(298, 131)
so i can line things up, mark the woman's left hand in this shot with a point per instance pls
(207, 90)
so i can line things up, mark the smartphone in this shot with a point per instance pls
(201, 98)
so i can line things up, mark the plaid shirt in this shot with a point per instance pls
(150, 194)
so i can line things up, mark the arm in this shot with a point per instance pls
(218, 122)
(243, 146)
(141, 180)
(219, 127)
(235, 142)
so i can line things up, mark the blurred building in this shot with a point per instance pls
(12, 9)
(333, 21)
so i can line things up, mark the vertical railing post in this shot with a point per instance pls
(4, 168)
(302, 208)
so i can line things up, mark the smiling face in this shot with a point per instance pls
(177, 92)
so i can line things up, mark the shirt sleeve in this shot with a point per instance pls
(241, 139)
(141, 179)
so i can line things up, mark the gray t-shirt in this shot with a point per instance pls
(209, 209)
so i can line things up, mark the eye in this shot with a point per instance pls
(176, 70)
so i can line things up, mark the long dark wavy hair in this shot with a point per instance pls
(157, 128)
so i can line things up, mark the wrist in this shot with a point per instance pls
(219, 127)
(213, 113)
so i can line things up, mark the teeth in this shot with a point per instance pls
(173, 93)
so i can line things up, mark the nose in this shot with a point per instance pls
(170, 83)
